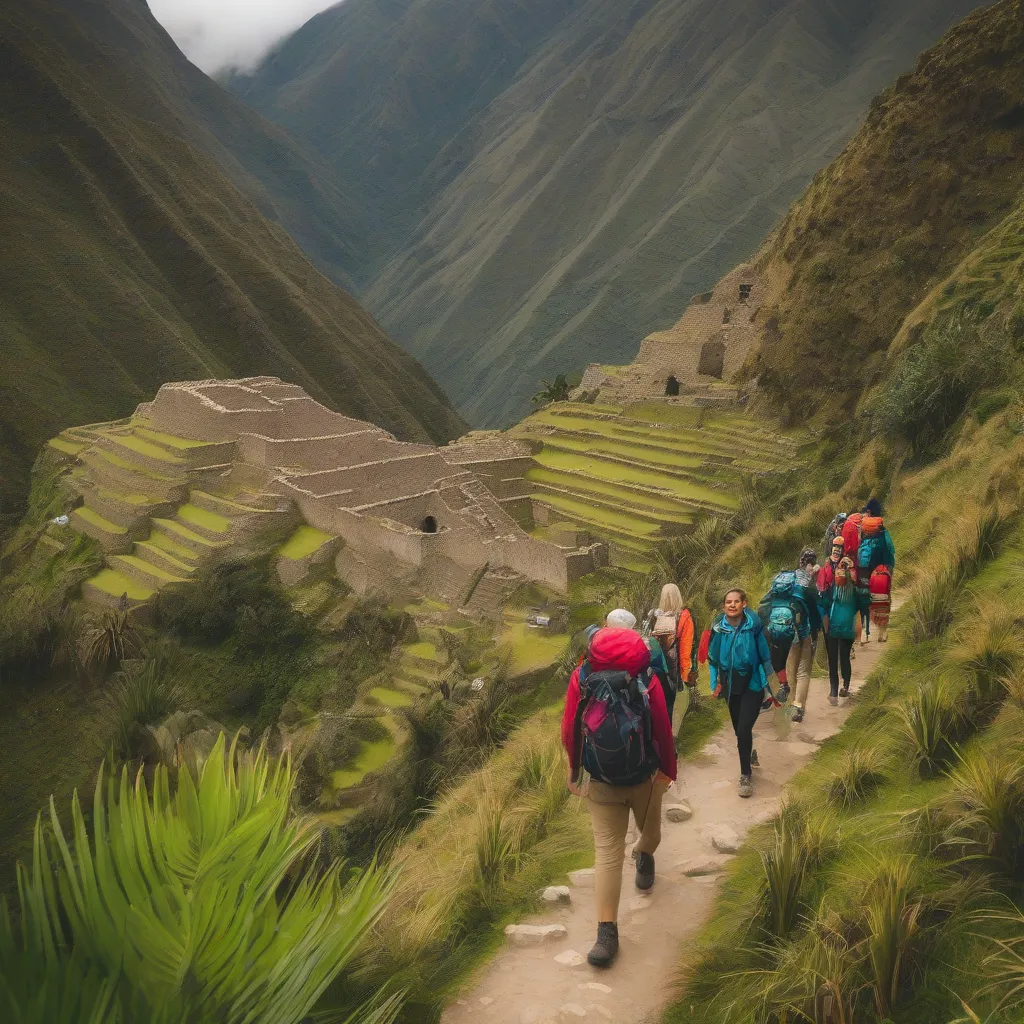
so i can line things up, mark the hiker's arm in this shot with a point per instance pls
(764, 656)
(686, 643)
(570, 726)
(891, 548)
(661, 729)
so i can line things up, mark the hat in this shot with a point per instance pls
(590, 631)
(621, 618)
(808, 556)
(840, 541)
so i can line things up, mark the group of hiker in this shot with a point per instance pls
(617, 725)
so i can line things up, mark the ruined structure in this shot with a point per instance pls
(434, 520)
(694, 361)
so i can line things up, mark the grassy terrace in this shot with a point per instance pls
(143, 447)
(115, 583)
(633, 475)
(303, 542)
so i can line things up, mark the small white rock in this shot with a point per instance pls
(595, 986)
(571, 958)
(725, 840)
(679, 812)
(556, 894)
(572, 1010)
(712, 750)
(534, 934)
(486, 1000)
(582, 877)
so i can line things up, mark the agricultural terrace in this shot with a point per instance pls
(637, 474)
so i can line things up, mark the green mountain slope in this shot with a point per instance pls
(603, 170)
(929, 189)
(129, 259)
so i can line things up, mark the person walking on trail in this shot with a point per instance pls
(786, 617)
(616, 728)
(740, 666)
(835, 529)
(876, 549)
(880, 589)
(801, 654)
(672, 627)
(839, 620)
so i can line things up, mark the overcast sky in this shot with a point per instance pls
(231, 33)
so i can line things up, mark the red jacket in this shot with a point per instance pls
(621, 649)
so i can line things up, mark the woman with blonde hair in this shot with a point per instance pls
(673, 628)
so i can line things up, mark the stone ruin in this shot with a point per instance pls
(430, 519)
(694, 361)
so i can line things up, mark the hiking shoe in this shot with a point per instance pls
(607, 945)
(754, 763)
(746, 786)
(844, 692)
(783, 693)
(644, 870)
(834, 701)
(798, 713)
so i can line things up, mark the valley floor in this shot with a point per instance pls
(547, 984)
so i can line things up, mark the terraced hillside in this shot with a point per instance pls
(636, 474)
(158, 507)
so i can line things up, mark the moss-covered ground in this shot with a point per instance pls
(304, 542)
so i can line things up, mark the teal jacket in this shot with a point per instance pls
(842, 612)
(740, 655)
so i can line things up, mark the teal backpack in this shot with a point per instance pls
(778, 609)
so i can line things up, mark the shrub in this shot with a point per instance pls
(142, 693)
(933, 381)
(92, 942)
(784, 864)
(861, 771)
(108, 639)
(930, 723)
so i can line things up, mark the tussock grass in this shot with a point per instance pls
(861, 771)
(930, 722)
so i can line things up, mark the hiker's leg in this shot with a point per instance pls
(844, 660)
(748, 708)
(832, 648)
(670, 703)
(609, 817)
(798, 670)
(734, 712)
(645, 802)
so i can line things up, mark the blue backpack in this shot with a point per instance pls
(871, 554)
(615, 720)
(777, 611)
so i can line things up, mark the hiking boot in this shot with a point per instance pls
(644, 870)
(607, 945)
(754, 763)
(798, 713)
(834, 701)
(844, 692)
(746, 786)
(783, 695)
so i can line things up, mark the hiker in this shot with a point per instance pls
(875, 549)
(616, 728)
(785, 615)
(801, 654)
(673, 629)
(740, 666)
(835, 529)
(880, 589)
(837, 581)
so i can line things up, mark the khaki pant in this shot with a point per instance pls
(798, 669)
(609, 808)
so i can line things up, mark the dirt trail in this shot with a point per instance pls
(530, 986)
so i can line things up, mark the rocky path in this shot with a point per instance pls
(547, 980)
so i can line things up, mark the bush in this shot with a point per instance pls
(861, 771)
(931, 722)
(932, 383)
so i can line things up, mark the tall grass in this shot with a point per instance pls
(784, 864)
(930, 722)
(862, 770)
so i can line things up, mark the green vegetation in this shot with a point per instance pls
(303, 542)
(88, 945)
(92, 517)
(201, 517)
(115, 583)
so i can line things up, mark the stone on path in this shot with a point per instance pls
(582, 877)
(534, 934)
(571, 958)
(595, 986)
(486, 1000)
(712, 750)
(697, 866)
(679, 812)
(570, 1010)
(557, 894)
(725, 840)
(802, 749)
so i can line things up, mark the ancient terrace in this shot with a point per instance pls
(207, 463)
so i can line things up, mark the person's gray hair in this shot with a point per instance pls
(621, 618)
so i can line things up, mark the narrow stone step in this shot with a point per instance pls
(156, 556)
(186, 537)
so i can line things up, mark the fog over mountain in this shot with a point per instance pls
(219, 34)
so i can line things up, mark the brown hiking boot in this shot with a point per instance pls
(607, 945)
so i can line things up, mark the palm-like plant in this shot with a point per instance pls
(110, 638)
(142, 693)
(175, 908)
(556, 390)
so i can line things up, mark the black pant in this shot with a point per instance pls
(744, 707)
(838, 660)
(779, 652)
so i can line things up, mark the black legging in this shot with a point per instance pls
(838, 649)
(744, 707)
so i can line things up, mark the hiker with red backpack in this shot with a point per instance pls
(616, 728)
(740, 665)
(880, 588)
(875, 550)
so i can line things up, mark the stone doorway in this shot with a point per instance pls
(712, 359)
(429, 525)
(671, 387)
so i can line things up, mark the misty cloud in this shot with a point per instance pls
(217, 34)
